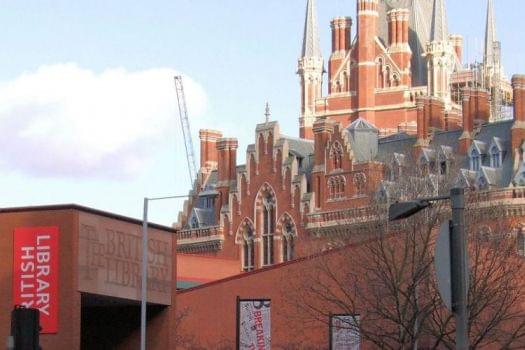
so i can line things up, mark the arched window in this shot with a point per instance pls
(194, 222)
(248, 248)
(289, 235)
(387, 77)
(380, 75)
(360, 183)
(495, 157)
(268, 229)
(475, 160)
(336, 153)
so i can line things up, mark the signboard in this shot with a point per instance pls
(344, 332)
(110, 255)
(35, 273)
(253, 324)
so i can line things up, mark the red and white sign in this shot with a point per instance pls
(35, 273)
(254, 325)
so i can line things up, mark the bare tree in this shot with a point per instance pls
(388, 281)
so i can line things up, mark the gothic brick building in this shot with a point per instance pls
(398, 96)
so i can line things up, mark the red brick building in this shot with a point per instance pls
(398, 97)
(94, 301)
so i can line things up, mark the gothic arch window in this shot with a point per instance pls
(388, 82)
(266, 208)
(289, 235)
(248, 248)
(495, 157)
(194, 222)
(336, 153)
(380, 74)
(336, 187)
(346, 82)
(360, 184)
(475, 160)
(268, 229)
(396, 80)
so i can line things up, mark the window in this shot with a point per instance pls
(194, 222)
(475, 160)
(360, 183)
(443, 167)
(288, 241)
(248, 250)
(268, 229)
(336, 187)
(495, 157)
(336, 153)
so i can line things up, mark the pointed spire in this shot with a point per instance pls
(490, 33)
(311, 42)
(439, 30)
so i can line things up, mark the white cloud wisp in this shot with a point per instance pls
(66, 121)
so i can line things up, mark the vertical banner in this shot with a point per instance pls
(344, 332)
(253, 324)
(35, 273)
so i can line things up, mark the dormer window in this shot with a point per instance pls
(194, 222)
(495, 157)
(475, 160)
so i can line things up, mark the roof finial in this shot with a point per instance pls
(267, 113)
(311, 42)
(439, 31)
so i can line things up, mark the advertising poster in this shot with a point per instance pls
(35, 273)
(253, 324)
(344, 332)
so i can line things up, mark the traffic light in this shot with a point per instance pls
(25, 328)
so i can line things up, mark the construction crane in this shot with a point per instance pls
(185, 124)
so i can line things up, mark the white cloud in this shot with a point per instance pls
(64, 120)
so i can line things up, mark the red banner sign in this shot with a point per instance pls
(35, 273)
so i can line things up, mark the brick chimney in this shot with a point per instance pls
(518, 129)
(367, 29)
(468, 123)
(341, 35)
(399, 47)
(209, 155)
(227, 166)
(422, 126)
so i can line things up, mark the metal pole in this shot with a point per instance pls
(459, 261)
(144, 277)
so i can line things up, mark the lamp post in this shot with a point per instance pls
(458, 254)
(144, 268)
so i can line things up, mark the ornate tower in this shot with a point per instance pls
(311, 70)
(441, 55)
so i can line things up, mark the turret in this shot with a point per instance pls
(441, 55)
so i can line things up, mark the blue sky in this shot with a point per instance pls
(87, 104)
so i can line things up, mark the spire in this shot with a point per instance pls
(490, 33)
(439, 30)
(311, 42)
